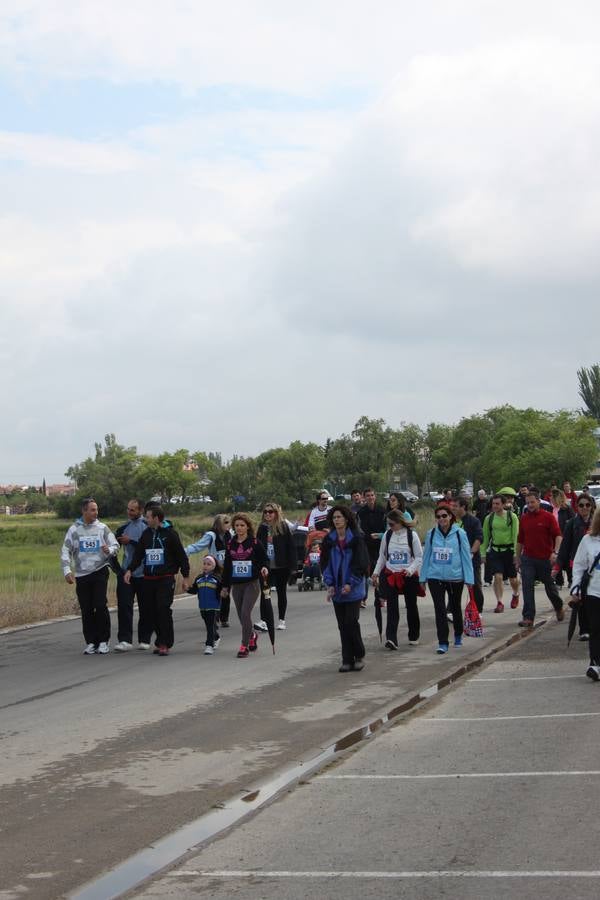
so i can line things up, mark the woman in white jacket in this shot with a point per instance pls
(587, 559)
(400, 556)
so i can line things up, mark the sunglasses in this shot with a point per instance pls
(443, 516)
(268, 512)
(585, 504)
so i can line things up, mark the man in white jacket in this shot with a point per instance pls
(88, 547)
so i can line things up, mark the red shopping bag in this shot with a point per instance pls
(473, 626)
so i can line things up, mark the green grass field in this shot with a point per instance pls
(32, 586)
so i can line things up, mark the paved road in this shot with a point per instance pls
(103, 755)
(490, 791)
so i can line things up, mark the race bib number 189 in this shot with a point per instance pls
(443, 557)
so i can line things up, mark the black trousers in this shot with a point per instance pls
(126, 594)
(225, 607)
(592, 613)
(347, 615)
(391, 596)
(278, 578)
(438, 594)
(210, 620)
(95, 618)
(478, 587)
(159, 593)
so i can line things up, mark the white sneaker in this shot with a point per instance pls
(123, 646)
(281, 626)
(414, 643)
(208, 650)
(142, 646)
(261, 626)
(103, 647)
(217, 642)
(91, 648)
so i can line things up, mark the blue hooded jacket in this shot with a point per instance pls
(447, 556)
(348, 566)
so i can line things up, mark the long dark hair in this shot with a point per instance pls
(347, 514)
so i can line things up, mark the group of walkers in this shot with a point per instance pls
(352, 547)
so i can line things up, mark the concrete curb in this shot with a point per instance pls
(172, 849)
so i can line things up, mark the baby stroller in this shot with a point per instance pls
(311, 570)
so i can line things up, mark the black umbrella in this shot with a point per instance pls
(266, 610)
(378, 614)
(574, 604)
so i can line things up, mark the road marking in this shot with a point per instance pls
(442, 873)
(510, 718)
(526, 678)
(453, 775)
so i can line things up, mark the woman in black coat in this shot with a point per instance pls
(276, 537)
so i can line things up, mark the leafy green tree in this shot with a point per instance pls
(361, 458)
(291, 474)
(164, 475)
(109, 477)
(589, 390)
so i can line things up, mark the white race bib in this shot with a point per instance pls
(241, 568)
(155, 557)
(398, 557)
(220, 557)
(443, 557)
(89, 544)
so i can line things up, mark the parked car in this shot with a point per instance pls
(595, 492)
(409, 496)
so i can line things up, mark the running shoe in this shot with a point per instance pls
(208, 650)
(123, 646)
(391, 645)
(281, 626)
(514, 601)
(414, 643)
(243, 652)
(458, 641)
(143, 645)
(593, 672)
(261, 626)
(345, 667)
(584, 637)
(253, 643)
(560, 613)
(103, 647)
(224, 624)
(526, 623)
(163, 651)
(90, 649)
(443, 648)
(357, 666)
(217, 642)
(499, 607)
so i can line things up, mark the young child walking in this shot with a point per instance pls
(207, 587)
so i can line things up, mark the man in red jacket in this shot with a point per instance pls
(537, 546)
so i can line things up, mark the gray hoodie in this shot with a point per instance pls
(82, 546)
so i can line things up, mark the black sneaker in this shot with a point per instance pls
(357, 665)
(390, 645)
(345, 667)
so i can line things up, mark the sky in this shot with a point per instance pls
(230, 226)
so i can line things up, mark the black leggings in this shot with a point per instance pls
(438, 594)
(390, 595)
(278, 578)
(592, 613)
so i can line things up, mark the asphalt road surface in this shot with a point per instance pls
(104, 755)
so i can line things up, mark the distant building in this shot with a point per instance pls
(61, 490)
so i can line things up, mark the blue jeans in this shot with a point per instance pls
(533, 570)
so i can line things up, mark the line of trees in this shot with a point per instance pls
(503, 445)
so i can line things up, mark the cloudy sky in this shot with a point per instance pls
(229, 226)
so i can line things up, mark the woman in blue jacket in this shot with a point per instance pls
(345, 565)
(447, 566)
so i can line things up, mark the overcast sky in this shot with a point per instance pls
(229, 226)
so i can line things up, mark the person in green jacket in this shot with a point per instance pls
(500, 531)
